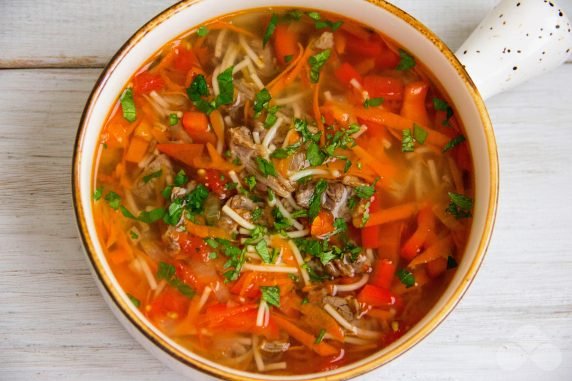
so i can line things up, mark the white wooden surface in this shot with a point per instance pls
(515, 323)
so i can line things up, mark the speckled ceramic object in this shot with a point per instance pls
(518, 40)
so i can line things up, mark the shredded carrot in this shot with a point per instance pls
(441, 248)
(204, 231)
(317, 114)
(384, 170)
(287, 76)
(383, 216)
(413, 107)
(323, 349)
(185, 153)
(218, 124)
(226, 25)
(318, 319)
(137, 149)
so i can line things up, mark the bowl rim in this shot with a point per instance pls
(351, 371)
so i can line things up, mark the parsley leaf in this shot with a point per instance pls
(366, 191)
(316, 199)
(97, 193)
(168, 272)
(407, 141)
(453, 143)
(202, 31)
(265, 167)
(166, 193)
(134, 300)
(316, 62)
(271, 295)
(126, 212)
(373, 102)
(197, 91)
(314, 155)
(261, 101)
(151, 216)
(460, 206)
(113, 199)
(180, 178)
(236, 256)
(226, 86)
(128, 105)
(301, 126)
(314, 15)
(270, 29)
(152, 176)
(406, 277)
(173, 119)
(441, 105)
(250, 181)
(283, 153)
(196, 198)
(406, 61)
(419, 134)
(174, 212)
(211, 242)
(262, 250)
(295, 14)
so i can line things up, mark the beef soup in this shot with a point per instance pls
(283, 191)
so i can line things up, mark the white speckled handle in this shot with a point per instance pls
(518, 40)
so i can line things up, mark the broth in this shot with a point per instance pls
(283, 191)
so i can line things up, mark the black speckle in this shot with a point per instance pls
(540, 60)
(504, 51)
(527, 35)
(557, 26)
(560, 13)
(465, 52)
(491, 28)
(540, 37)
(519, 51)
(514, 68)
(550, 33)
(541, 29)
(567, 50)
(544, 52)
(478, 51)
(518, 4)
(504, 22)
(500, 16)
(551, 4)
(508, 50)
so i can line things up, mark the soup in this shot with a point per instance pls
(283, 191)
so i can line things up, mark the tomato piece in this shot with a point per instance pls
(197, 126)
(193, 246)
(383, 273)
(346, 72)
(387, 59)
(146, 82)
(371, 47)
(185, 59)
(185, 153)
(216, 182)
(170, 303)
(386, 87)
(376, 296)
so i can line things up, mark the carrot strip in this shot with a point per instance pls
(425, 225)
(383, 170)
(204, 231)
(318, 319)
(137, 149)
(317, 114)
(217, 124)
(396, 213)
(226, 25)
(185, 153)
(323, 349)
(441, 248)
(288, 68)
(278, 84)
(414, 103)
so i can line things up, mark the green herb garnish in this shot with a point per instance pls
(406, 277)
(320, 336)
(460, 205)
(173, 119)
(406, 61)
(113, 199)
(128, 105)
(202, 31)
(152, 176)
(265, 167)
(270, 29)
(180, 178)
(407, 141)
(271, 295)
(262, 250)
(226, 88)
(317, 62)
(168, 272)
(134, 300)
(98, 193)
(316, 199)
(261, 101)
(372, 102)
(453, 143)
(441, 105)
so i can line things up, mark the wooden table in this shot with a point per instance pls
(515, 323)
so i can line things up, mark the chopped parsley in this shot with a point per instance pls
(180, 178)
(305, 300)
(133, 235)
(441, 105)
(196, 93)
(261, 101)
(453, 143)
(372, 102)
(320, 336)
(301, 126)
(173, 119)
(283, 153)
(271, 117)
(168, 272)
(166, 193)
(126, 212)
(316, 62)
(98, 193)
(314, 15)
(316, 199)
(265, 167)
(256, 214)
(406, 277)
(366, 191)
(451, 262)
(152, 176)
(196, 198)
(407, 141)
(406, 61)
(174, 212)
(271, 295)
(134, 300)
(419, 134)
(211, 242)
(226, 86)
(250, 181)
(262, 250)
(314, 155)
(288, 58)
(113, 199)
(128, 105)
(460, 206)
(151, 216)
(270, 29)
(202, 31)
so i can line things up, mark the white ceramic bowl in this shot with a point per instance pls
(394, 23)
